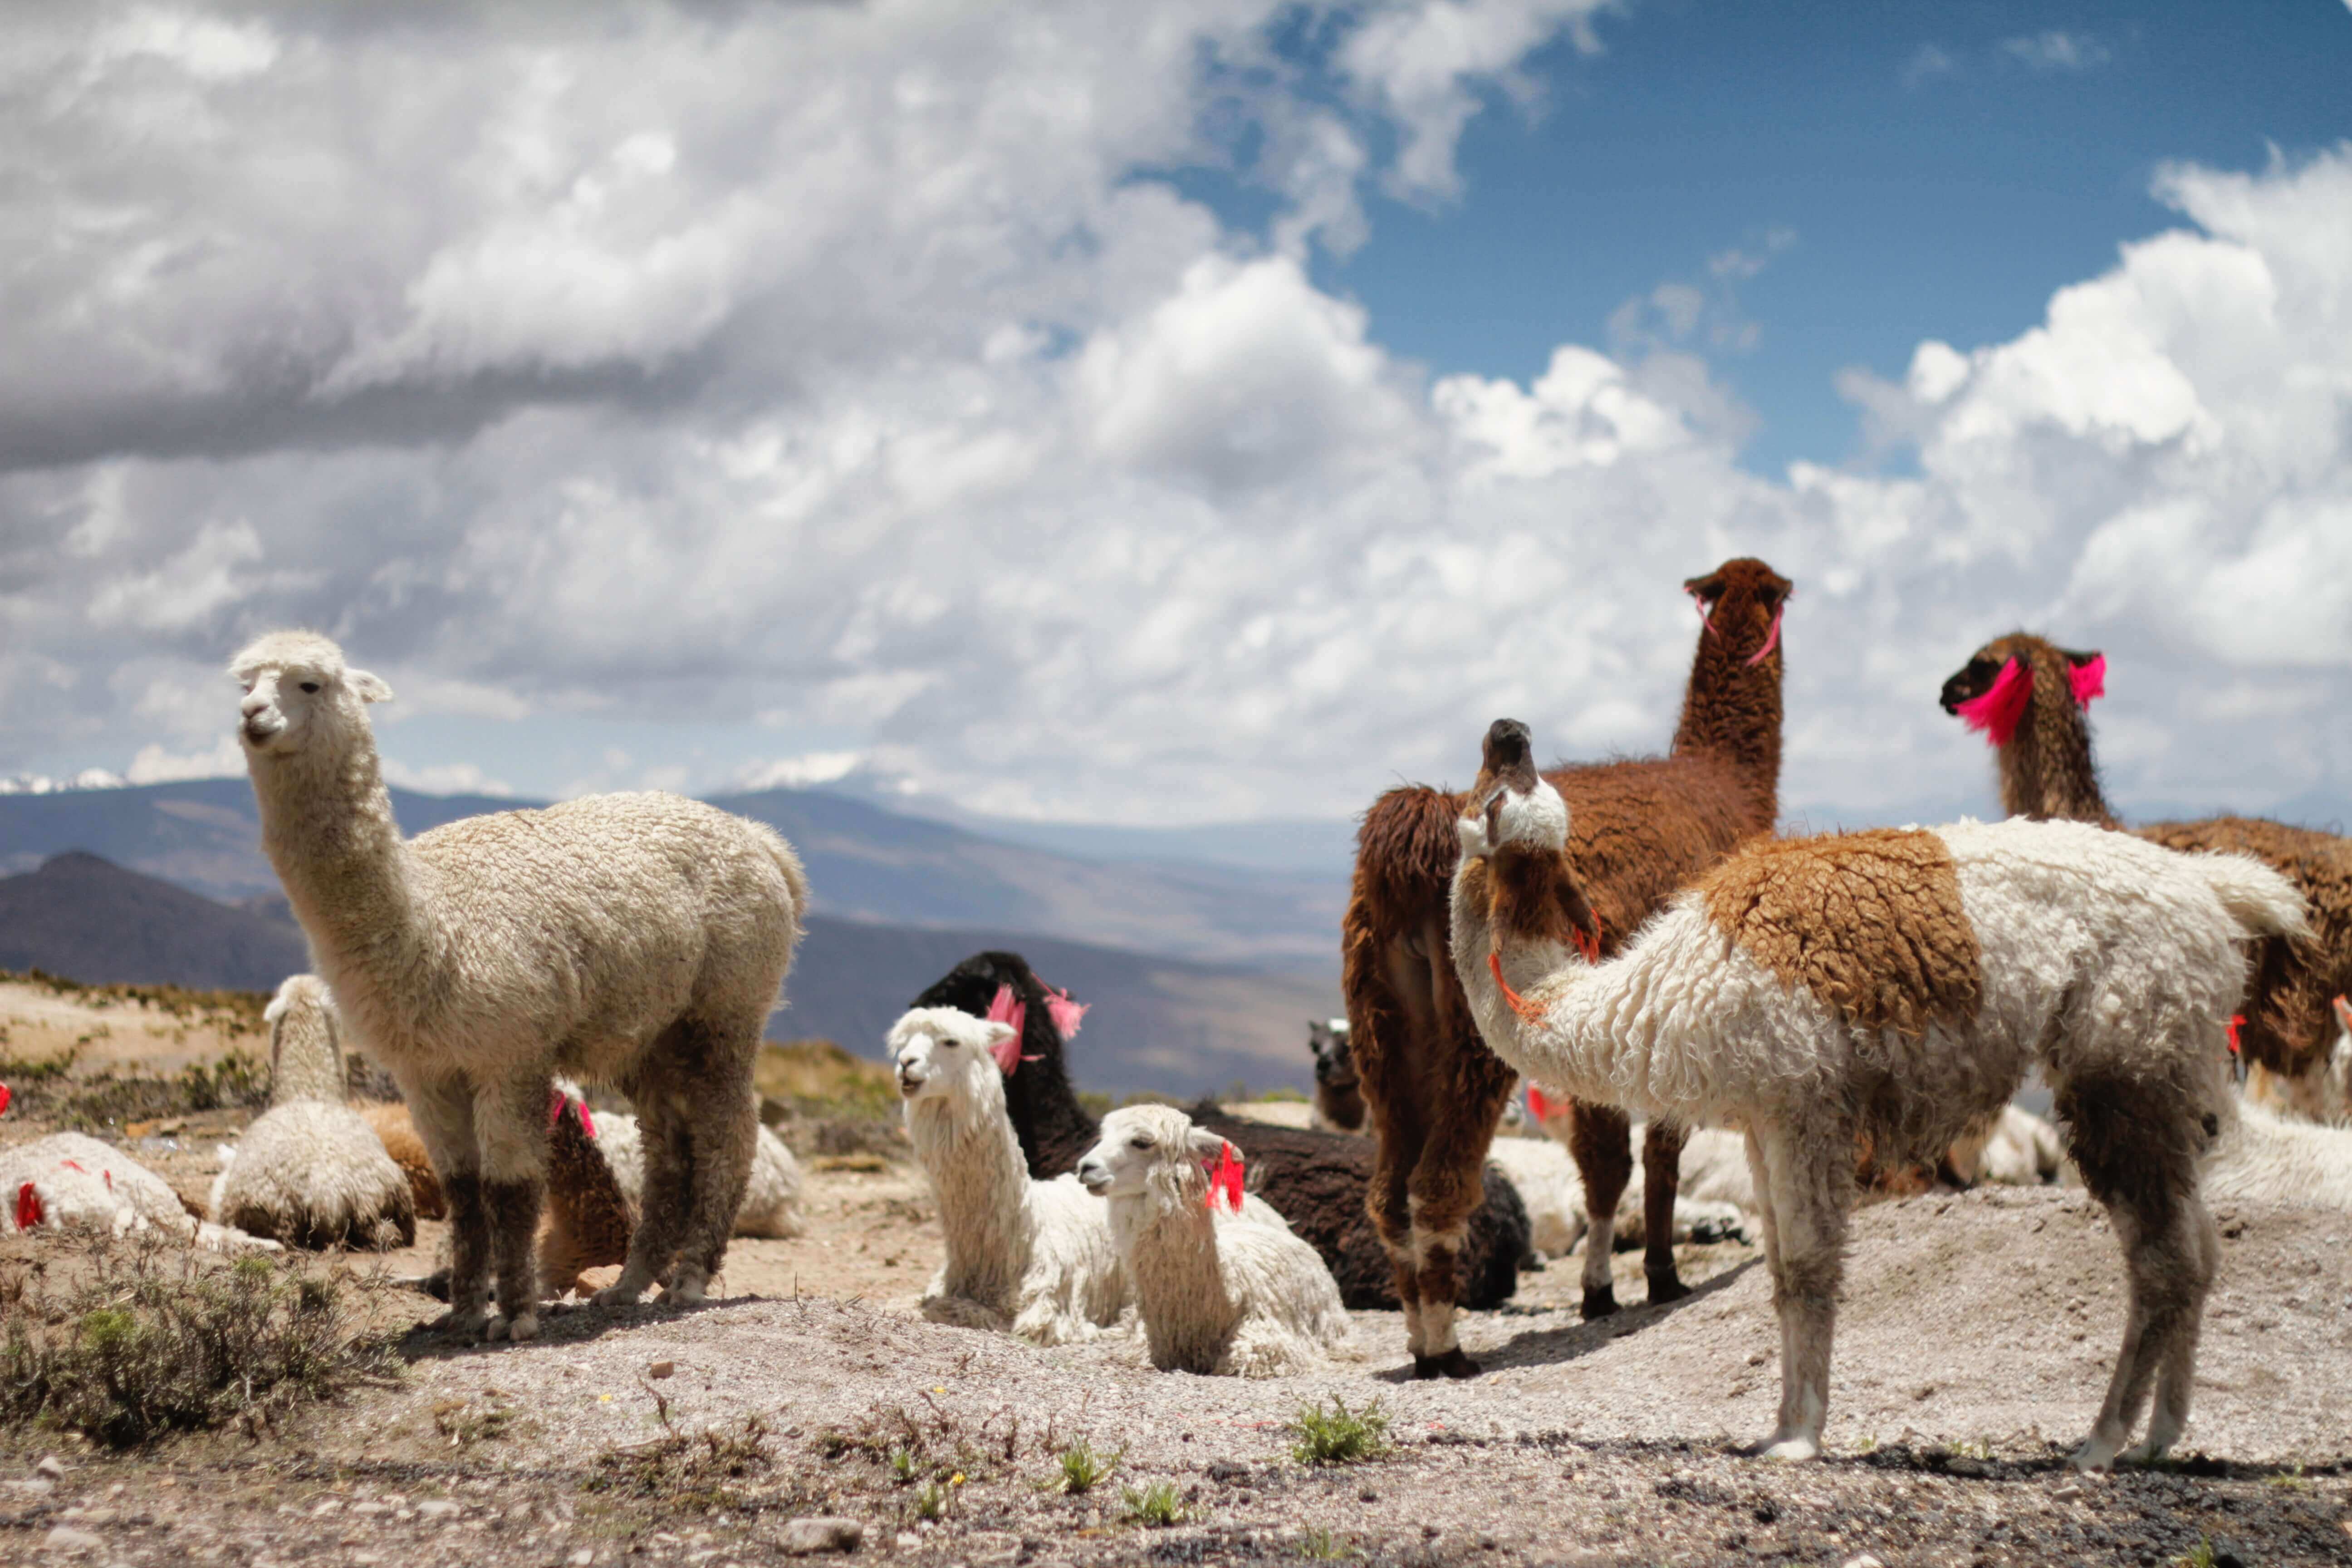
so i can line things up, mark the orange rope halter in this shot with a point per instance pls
(1587, 943)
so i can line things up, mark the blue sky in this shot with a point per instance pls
(1174, 415)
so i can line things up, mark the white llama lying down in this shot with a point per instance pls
(310, 1172)
(69, 1182)
(1895, 985)
(1218, 1290)
(1032, 1257)
(772, 1198)
(2271, 1159)
(634, 940)
(1545, 1175)
(2018, 1149)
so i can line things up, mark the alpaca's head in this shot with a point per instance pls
(942, 1053)
(1509, 804)
(1150, 1148)
(1335, 1063)
(300, 695)
(306, 1050)
(1991, 691)
(1741, 602)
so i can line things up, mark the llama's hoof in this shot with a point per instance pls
(1792, 1449)
(1452, 1363)
(1667, 1286)
(465, 1325)
(521, 1327)
(2148, 1453)
(618, 1295)
(2094, 1456)
(1600, 1303)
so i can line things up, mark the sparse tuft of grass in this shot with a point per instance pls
(1321, 1545)
(161, 1338)
(902, 1465)
(1339, 1435)
(704, 1470)
(1082, 1468)
(1154, 1505)
(2201, 1555)
(2290, 1480)
(930, 1501)
(464, 1425)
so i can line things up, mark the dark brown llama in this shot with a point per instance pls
(1642, 828)
(1338, 1091)
(2032, 698)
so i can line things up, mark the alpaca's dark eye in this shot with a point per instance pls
(309, 686)
(1141, 1143)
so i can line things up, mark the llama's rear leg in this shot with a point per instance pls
(1386, 1200)
(662, 1206)
(1661, 1180)
(2198, 1249)
(443, 1112)
(510, 1122)
(1601, 1139)
(1809, 1200)
(722, 1128)
(1448, 1183)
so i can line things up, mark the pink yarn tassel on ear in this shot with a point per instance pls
(1225, 1179)
(1997, 712)
(1067, 1014)
(2089, 678)
(1004, 1007)
(1772, 639)
(1540, 1105)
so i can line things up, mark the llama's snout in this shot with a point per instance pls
(1094, 1175)
(912, 1078)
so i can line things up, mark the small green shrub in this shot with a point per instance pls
(2201, 1555)
(1339, 1435)
(930, 1501)
(1154, 1505)
(704, 1470)
(1082, 1468)
(1321, 1545)
(902, 1465)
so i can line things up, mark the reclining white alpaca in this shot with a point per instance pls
(2274, 1159)
(310, 1171)
(772, 1194)
(633, 940)
(1233, 1293)
(1032, 1257)
(1896, 985)
(69, 1182)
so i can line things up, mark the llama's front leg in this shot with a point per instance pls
(1601, 1141)
(1448, 1183)
(1661, 1180)
(662, 1206)
(1807, 1227)
(443, 1111)
(510, 1120)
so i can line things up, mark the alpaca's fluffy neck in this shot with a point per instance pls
(1167, 1237)
(1731, 708)
(1583, 1047)
(981, 1184)
(308, 1066)
(2046, 769)
(327, 824)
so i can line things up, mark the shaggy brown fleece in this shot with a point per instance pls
(1638, 829)
(2047, 771)
(398, 1135)
(588, 1220)
(1869, 922)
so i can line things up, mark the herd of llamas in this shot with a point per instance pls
(1798, 1024)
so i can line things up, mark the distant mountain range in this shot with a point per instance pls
(1170, 1024)
(865, 863)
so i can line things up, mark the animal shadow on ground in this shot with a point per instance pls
(1550, 1347)
(428, 1341)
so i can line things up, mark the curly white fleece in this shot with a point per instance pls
(78, 1184)
(772, 1198)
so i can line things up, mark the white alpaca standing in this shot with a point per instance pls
(2272, 1159)
(1029, 1258)
(634, 940)
(310, 1171)
(71, 1182)
(1218, 1291)
(772, 1197)
(1895, 985)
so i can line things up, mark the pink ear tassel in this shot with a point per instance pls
(1067, 1014)
(1004, 1007)
(1698, 603)
(1772, 639)
(1997, 712)
(1225, 1179)
(2090, 679)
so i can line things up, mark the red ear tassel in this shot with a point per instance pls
(1539, 1104)
(1225, 1179)
(29, 1206)
(2236, 1021)
(4, 1098)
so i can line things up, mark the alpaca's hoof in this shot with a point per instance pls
(519, 1327)
(1452, 1363)
(465, 1325)
(2094, 1456)
(1667, 1286)
(1600, 1302)
(622, 1294)
(683, 1294)
(1791, 1448)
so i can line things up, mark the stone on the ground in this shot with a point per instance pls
(66, 1538)
(804, 1536)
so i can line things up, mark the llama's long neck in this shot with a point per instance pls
(1731, 708)
(305, 1061)
(1167, 1237)
(327, 825)
(981, 1184)
(1577, 1033)
(2046, 767)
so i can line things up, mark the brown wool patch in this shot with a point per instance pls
(1870, 922)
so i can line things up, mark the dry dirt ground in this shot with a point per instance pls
(1978, 1331)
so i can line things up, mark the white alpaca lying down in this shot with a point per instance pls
(1218, 1290)
(2269, 1159)
(69, 1182)
(1708, 1206)
(1028, 1256)
(772, 1198)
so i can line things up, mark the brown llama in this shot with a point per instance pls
(1643, 827)
(2032, 698)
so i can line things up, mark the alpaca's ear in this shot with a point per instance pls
(1204, 1144)
(369, 687)
(997, 1033)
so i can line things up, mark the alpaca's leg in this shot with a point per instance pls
(1448, 1183)
(1662, 1179)
(1390, 1012)
(511, 1122)
(1812, 1188)
(443, 1113)
(722, 1129)
(1601, 1139)
(2193, 1257)
(662, 1205)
